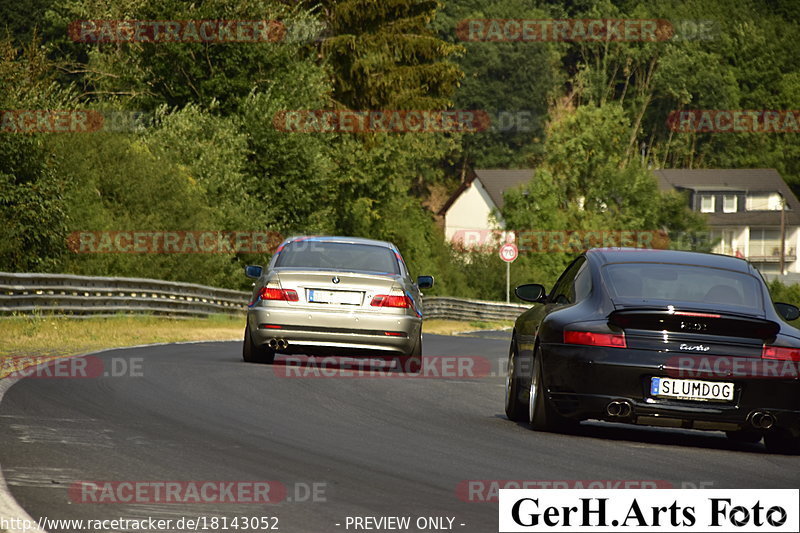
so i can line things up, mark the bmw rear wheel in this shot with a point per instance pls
(252, 353)
(413, 362)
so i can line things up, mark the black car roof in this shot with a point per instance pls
(642, 255)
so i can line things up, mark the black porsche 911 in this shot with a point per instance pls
(660, 338)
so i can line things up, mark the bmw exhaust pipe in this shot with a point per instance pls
(619, 409)
(273, 343)
(282, 344)
(761, 420)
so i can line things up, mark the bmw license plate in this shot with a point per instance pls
(691, 389)
(334, 297)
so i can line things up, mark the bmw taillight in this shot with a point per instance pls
(274, 291)
(780, 353)
(395, 299)
(588, 338)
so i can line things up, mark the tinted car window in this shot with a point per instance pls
(338, 256)
(655, 281)
(583, 283)
(564, 290)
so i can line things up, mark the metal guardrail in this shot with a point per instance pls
(787, 279)
(89, 295)
(67, 294)
(461, 309)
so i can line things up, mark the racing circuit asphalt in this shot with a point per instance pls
(374, 446)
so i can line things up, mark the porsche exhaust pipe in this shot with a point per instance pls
(282, 344)
(761, 420)
(619, 409)
(273, 343)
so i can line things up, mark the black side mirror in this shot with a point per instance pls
(787, 311)
(253, 271)
(531, 292)
(425, 282)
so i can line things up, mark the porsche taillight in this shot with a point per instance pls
(589, 338)
(780, 353)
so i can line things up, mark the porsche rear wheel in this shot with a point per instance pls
(541, 415)
(744, 436)
(781, 441)
(515, 409)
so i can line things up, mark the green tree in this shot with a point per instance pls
(514, 82)
(148, 75)
(584, 184)
(32, 207)
(723, 55)
(383, 55)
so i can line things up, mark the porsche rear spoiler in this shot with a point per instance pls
(694, 322)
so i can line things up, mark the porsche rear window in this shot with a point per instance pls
(338, 256)
(682, 283)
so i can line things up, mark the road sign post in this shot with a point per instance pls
(508, 253)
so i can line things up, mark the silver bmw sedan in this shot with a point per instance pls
(335, 295)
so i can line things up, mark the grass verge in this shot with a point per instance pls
(454, 327)
(40, 335)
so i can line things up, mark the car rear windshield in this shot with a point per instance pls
(338, 256)
(683, 283)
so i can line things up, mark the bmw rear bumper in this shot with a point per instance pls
(355, 333)
(582, 381)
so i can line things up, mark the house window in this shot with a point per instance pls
(725, 244)
(729, 203)
(707, 203)
(757, 202)
(765, 242)
(763, 202)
